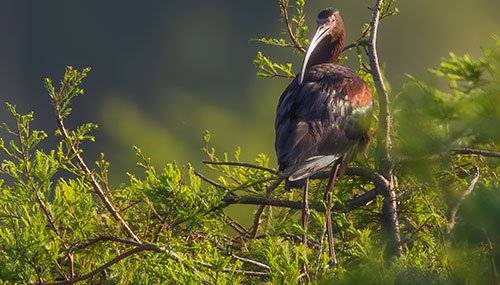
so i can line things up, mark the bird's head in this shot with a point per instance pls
(328, 41)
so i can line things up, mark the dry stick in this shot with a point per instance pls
(453, 214)
(95, 184)
(251, 261)
(389, 208)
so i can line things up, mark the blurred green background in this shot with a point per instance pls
(166, 71)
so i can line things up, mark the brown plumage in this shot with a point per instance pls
(322, 116)
(327, 114)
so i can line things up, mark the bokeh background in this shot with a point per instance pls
(163, 72)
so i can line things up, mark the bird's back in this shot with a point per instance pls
(327, 115)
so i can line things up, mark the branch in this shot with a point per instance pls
(360, 42)
(251, 261)
(453, 214)
(25, 157)
(139, 247)
(248, 165)
(90, 176)
(378, 180)
(352, 204)
(107, 238)
(475, 152)
(143, 247)
(260, 210)
(389, 208)
(384, 127)
(284, 14)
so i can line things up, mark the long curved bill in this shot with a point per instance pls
(320, 34)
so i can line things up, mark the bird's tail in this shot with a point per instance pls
(310, 166)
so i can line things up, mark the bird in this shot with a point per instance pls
(322, 118)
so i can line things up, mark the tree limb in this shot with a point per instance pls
(480, 152)
(351, 204)
(389, 208)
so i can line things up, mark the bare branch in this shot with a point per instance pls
(453, 213)
(208, 180)
(256, 219)
(106, 238)
(260, 210)
(349, 205)
(480, 152)
(378, 180)
(242, 164)
(256, 263)
(384, 144)
(360, 42)
(142, 247)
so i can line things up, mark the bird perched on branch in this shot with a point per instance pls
(323, 116)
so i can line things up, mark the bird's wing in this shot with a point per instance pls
(314, 120)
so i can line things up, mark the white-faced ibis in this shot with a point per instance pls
(323, 116)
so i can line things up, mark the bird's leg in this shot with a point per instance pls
(305, 221)
(328, 214)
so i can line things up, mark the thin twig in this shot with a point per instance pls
(208, 180)
(239, 228)
(139, 247)
(475, 152)
(256, 219)
(378, 180)
(106, 238)
(360, 42)
(251, 261)
(284, 15)
(142, 247)
(260, 210)
(242, 164)
(90, 175)
(453, 213)
(25, 156)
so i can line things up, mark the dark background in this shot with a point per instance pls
(163, 72)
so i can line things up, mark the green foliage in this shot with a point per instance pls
(62, 221)
(269, 69)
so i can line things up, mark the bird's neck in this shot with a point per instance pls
(338, 45)
(328, 51)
